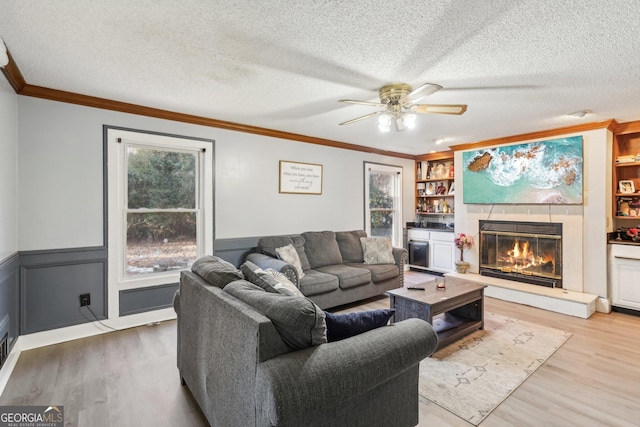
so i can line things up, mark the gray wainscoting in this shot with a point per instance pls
(133, 301)
(51, 283)
(40, 290)
(9, 303)
(235, 250)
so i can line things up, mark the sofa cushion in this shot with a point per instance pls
(216, 271)
(348, 277)
(350, 246)
(257, 276)
(321, 248)
(299, 321)
(316, 282)
(377, 250)
(379, 272)
(341, 326)
(268, 245)
(284, 286)
(289, 254)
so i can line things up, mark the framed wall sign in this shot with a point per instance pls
(300, 178)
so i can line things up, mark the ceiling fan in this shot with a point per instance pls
(399, 103)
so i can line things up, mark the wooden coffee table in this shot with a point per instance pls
(459, 307)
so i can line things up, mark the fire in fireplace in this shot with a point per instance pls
(529, 252)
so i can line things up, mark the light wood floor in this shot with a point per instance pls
(129, 378)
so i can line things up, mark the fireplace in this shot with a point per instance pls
(529, 252)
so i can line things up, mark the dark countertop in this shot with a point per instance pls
(623, 242)
(431, 226)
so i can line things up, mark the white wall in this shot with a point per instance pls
(8, 170)
(584, 227)
(61, 197)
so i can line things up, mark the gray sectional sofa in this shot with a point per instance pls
(242, 370)
(333, 266)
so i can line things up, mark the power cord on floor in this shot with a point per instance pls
(98, 320)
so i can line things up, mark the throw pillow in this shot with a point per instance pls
(284, 286)
(216, 271)
(377, 250)
(341, 326)
(289, 254)
(268, 245)
(257, 276)
(299, 321)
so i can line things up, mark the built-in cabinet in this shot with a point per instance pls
(435, 191)
(624, 270)
(624, 253)
(626, 179)
(431, 250)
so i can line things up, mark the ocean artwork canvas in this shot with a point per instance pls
(546, 172)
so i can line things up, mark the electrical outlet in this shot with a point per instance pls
(85, 299)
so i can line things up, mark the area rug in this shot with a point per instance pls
(472, 376)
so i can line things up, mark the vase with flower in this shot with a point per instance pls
(462, 241)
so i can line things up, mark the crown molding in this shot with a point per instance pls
(13, 75)
(607, 124)
(21, 87)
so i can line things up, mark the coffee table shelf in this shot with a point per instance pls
(460, 306)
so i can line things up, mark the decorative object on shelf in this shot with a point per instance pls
(431, 189)
(441, 187)
(462, 241)
(626, 186)
(634, 234)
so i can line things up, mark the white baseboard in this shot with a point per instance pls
(55, 336)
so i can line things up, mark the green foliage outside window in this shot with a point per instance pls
(161, 180)
(381, 204)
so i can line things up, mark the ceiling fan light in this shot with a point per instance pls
(384, 128)
(384, 120)
(410, 121)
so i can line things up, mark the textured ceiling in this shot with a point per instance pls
(520, 66)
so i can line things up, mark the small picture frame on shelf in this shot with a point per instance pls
(431, 189)
(626, 187)
(441, 188)
(452, 189)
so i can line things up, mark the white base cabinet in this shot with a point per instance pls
(442, 251)
(624, 271)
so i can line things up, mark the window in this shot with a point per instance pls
(160, 207)
(383, 201)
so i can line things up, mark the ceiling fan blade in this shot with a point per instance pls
(357, 119)
(422, 91)
(438, 108)
(370, 104)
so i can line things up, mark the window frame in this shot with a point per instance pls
(118, 140)
(369, 167)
